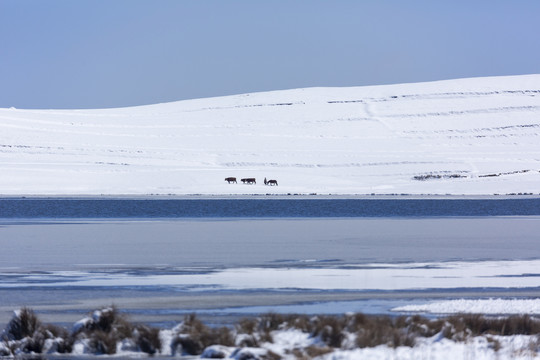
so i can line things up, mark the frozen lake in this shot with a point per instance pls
(225, 243)
(159, 269)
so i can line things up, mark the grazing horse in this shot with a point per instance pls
(248, 180)
(270, 182)
(230, 180)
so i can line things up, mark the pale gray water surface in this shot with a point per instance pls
(268, 242)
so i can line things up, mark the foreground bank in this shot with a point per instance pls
(274, 336)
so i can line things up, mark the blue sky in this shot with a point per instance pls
(113, 53)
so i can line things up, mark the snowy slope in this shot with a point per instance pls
(467, 136)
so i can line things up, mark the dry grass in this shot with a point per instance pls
(459, 327)
(26, 334)
(372, 331)
(193, 336)
(31, 334)
(147, 339)
(314, 351)
(107, 327)
(23, 325)
(330, 329)
(102, 342)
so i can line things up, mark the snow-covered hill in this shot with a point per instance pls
(467, 136)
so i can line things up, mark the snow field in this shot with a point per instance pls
(357, 140)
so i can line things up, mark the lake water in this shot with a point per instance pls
(158, 259)
(280, 208)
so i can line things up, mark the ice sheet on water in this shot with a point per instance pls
(405, 276)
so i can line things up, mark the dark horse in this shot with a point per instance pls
(270, 182)
(248, 180)
(230, 180)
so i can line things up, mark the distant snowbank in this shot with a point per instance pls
(466, 136)
(482, 306)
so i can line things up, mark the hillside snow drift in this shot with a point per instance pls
(467, 136)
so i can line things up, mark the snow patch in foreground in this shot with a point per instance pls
(482, 306)
(478, 348)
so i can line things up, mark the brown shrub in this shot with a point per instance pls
(110, 319)
(247, 340)
(24, 324)
(260, 329)
(520, 325)
(330, 329)
(194, 336)
(187, 346)
(302, 323)
(270, 355)
(102, 342)
(271, 321)
(147, 339)
(246, 326)
(400, 331)
(107, 327)
(313, 351)
(63, 340)
(460, 326)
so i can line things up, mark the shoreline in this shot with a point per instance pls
(271, 196)
(220, 306)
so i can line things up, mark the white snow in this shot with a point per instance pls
(476, 306)
(466, 136)
(478, 348)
